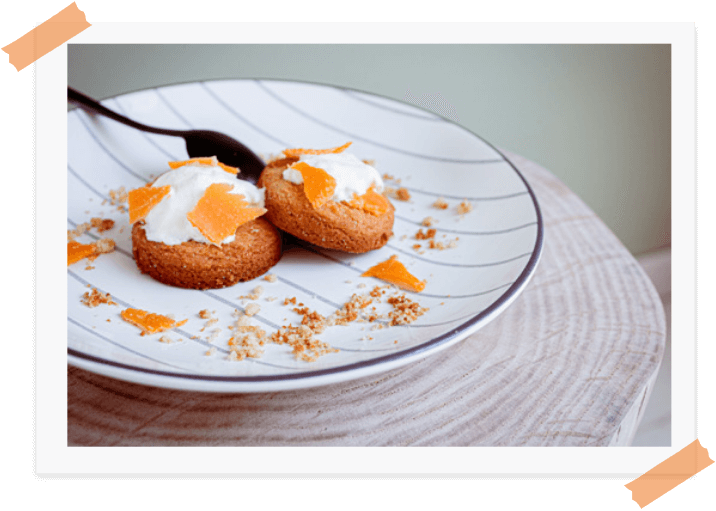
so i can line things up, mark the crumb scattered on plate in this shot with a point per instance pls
(255, 294)
(252, 309)
(464, 207)
(401, 194)
(100, 224)
(440, 204)
(429, 234)
(94, 298)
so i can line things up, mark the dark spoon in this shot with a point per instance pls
(198, 142)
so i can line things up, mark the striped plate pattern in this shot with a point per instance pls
(498, 247)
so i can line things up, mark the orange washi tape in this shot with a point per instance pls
(41, 40)
(670, 473)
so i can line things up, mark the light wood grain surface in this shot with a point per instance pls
(572, 362)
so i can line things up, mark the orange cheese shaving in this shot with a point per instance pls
(300, 151)
(149, 323)
(204, 160)
(394, 272)
(318, 185)
(219, 213)
(142, 200)
(77, 251)
(371, 202)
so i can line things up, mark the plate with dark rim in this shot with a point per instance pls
(484, 252)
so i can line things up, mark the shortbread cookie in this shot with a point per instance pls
(192, 264)
(198, 226)
(330, 200)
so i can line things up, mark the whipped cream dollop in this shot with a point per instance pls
(352, 175)
(167, 223)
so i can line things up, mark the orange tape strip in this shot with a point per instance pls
(41, 40)
(670, 473)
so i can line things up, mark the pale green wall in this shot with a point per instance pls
(597, 116)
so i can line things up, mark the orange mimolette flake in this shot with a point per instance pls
(204, 160)
(300, 151)
(77, 251)
(219, 213)
(394, 272)
(149, 323)
(318, 185)
(142, 200)
(371, 202)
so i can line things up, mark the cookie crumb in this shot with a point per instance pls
(102, 224)
(95, 223)
(359, 308)
(254, 294)
(271, 278)
(350, 310)
(211, 351)
(94, 298)
(305, 345)
(428, 221)
(403, 194)
(119, 198)
(165, 339)
(388, 191)
(429, 234)
(464, 208)
(252, 309)
(439, 245)
(248, 339)
(77, 231)
(204, 314)
(378, 291)
(104, 246)
(211, 321)
(440, 204)
(311, 319)
(405, 310)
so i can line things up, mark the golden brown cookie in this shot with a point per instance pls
(334, 225)
(255, 249)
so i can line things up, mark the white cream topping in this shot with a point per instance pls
(167, 222)
(352, 175)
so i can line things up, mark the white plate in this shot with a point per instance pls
(498, 249)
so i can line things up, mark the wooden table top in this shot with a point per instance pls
(571, 362)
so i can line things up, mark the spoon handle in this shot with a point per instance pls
(91, 105)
